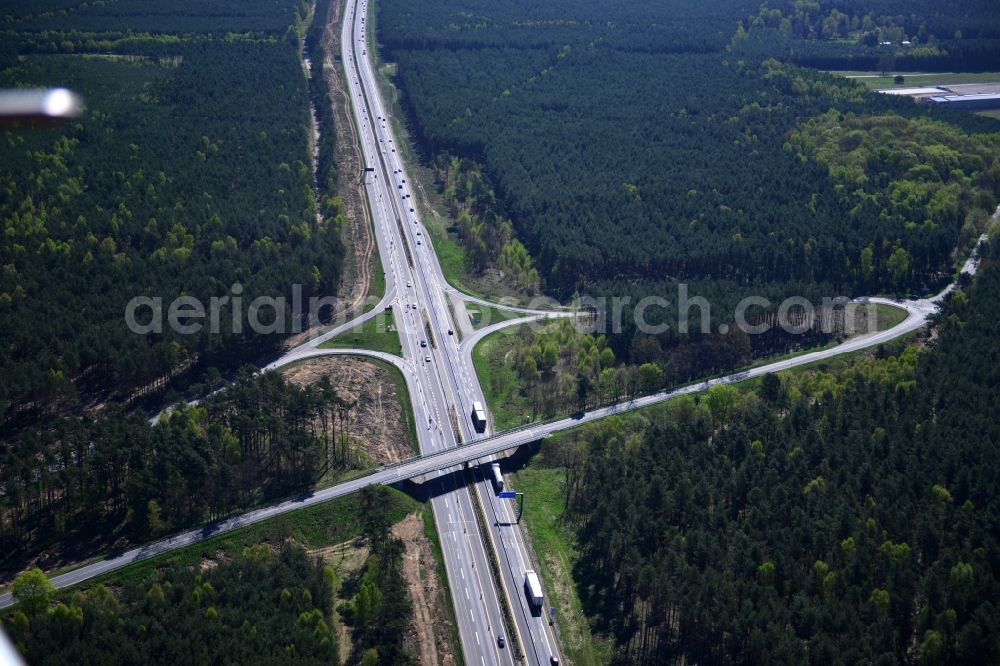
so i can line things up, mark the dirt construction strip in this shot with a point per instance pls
(358, 237)
(377, 423)
(430, 621)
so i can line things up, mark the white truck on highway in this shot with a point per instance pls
(533, 588)
(497, 477)
(478, 416)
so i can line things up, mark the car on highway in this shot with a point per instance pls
(500, 641)
(418, 242)
(553, 660)
(409, 283)
(411, 210)
(427, 359)
(451, 332)
(423, 343)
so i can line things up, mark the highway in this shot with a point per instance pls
(447, 384)
(918, 312)
(426, 331)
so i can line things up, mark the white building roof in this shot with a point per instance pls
(911, 91)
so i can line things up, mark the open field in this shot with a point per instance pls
(875, 80)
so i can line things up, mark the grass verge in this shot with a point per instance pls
(452, 256)
(501, 384)
(377, 290)
(377, 334)
(889, 316)
(486, 315)
(317, 526)
(555, 543)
